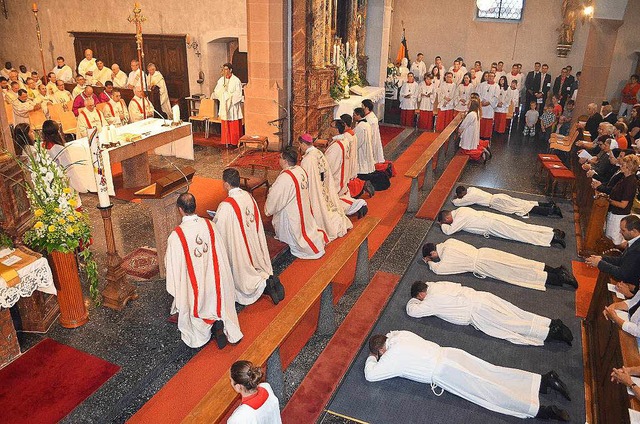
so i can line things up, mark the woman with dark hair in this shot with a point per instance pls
(436, 77)
(621, 197)
(485, 74)
(500, 115)
(51, 134)
(463, 95)
(23, 139)
(259, 404)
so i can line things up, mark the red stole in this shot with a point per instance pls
(138, 104)
(236, 209)
(86, 118)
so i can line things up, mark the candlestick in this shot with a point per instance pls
(355, 49)
(347, 50)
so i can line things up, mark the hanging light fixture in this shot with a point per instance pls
(484, 5)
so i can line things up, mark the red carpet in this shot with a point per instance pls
(388, 133)
(190, 384)
(212, 141)
(438, 195)
(315, 391)
(142, 263)
(587, 278)
(269, 159)
(48, 382)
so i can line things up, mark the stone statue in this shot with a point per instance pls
(570, 13)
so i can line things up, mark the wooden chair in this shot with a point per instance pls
(55, 112)
(10, 118)
(257, 178)
(69, 123)
(36, 119)
(205, 114)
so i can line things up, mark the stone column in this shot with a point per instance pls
(376, 45)
(267, 61)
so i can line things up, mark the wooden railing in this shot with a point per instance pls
(442, 147)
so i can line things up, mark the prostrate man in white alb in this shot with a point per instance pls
(503, 203)
(228, 91)
(89, 117)
(504, 390)
(139, 107)
(87, 67)
(456, 257)
(376, 141)
(155, 78)
(325, 202)
(289, 204)
(239, 225)
(491, 224)
(63, 72)
(116, 111)
(200, 280)
(486, 312)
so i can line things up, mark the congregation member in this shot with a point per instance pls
(446, 103)
(491, 224)
(565, 120)
(486, 312)
(427, 98)
(629, 323)
(547, 122)
(419, 68)
(118, 78)
(135, 80)
(600, 167)
(623, 376)
(457, 257)
(155, 78)
(575, 85)
(545, 87)
(88, 118)
(488, 92)
(408, 101)
(533, 86)
(139, 107)
(502, 106)
(102, 74)
(239, 225)
(504, 390)
(629, 96)
(87, 67)
(621, 198)
(562, 87)
(607, 113)
(324, 200)
(593, 120)
(228, 91)
(62, 95)
(62, 71)
(289, 203)
(462, 95)
(81, 84)
(620, 135)
(259, 404)
(203, 294)
(503, 202)
(376, 140)
(469, 129)
(22, 106)
(106, 94)
(81, 99)
(531, 120)
(116, 111)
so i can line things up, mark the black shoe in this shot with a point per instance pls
(558, 233)
(270, 290)
(278, 286)
(559, 332)
(218, 333)
(368, 188)
(362, 212)
(568, 277)
(559, 242)
(553, 413)
(567, 335)
(556, 211)
(551, 380)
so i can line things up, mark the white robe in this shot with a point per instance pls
(158, 79)
(458, 75)
(120, 80)
(518, 77)
(463, 93)
(485, 311)
(77, 90)
(470, 131)
(288, 202)
(446, 91)
(503, 97)
(427, 96)
(376, 141)
(136, 109)
(338, 156)
(488, 93)
(87, 120)
(351, 139)
(505, 390)
(514, 98)
(195, 330)
(21, 110)
(134, 79)
(457, 257)
(500, 202)
(88, 66)
(228, 91)
(366, 163)
(491, 224)
(64, 74)
(325, 203)
(62, 97)
(267, 413)
(102, 75)
(419, 69)
(242, 233)
(116, 113)
(409, 89)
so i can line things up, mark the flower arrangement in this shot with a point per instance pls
(56, 224)
(347, 75)
(392, 82)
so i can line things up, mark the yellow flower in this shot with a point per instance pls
(71, 218)
(73, 203)
(57, 210)
(38, 225)
(69, 230)
(38, 213)
(77, 213)
(52, 228)
(61, 221)
(66, 190)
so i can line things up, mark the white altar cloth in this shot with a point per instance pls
(347, 106)
(35, 276)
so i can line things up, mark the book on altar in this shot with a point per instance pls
(357, 90)
(583, 154)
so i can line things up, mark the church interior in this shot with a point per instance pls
(165, 114)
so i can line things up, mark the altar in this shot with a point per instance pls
(346, 106)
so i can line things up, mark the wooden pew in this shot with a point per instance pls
(127, 94)
(437, 151)
(265, 348)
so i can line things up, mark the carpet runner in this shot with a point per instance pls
(388, 133)
(142, 263)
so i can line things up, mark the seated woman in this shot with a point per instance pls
(259, 404)
(470, 143)
(631, 324)
(23, 139)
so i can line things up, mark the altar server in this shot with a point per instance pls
(135, 80)
(324, 200)
(116, 111)
(457, 257)
(502, 107)
(228, 91)
(491, 224)
(155, 78)
(62, 71)
(486, 312)
(87, 67)
(419, 68)
(139, 107)
(427, 97)
(503, 202)
(200, 280)
(470, 143)
(488, 92)
(463, 95)
(259, 404)
(89, 117)
(457, 71)
(239, 225)
(515, 75)
(289, 204)
(366, 163)
(376, 141)
(504, 390)
(118, 78)
(408, 101)
(446, 94)
(22, 106)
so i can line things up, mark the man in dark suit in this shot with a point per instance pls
(607, 113)
(532, 86)
(562, 87)
(545, 87)
(626, 267)
(593, 121)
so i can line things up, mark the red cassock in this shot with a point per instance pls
(444, 118)
(407, 117)
(500, 122)
(486, 128)
(476, 154)
(231, 131)
(425, 122)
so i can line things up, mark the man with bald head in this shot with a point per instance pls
(88, 118)
(134, 79)
(88, 67)
(80, 99)
(140, 107)
(115, 111)
(155, 78)
(118, 78)
(593, 121)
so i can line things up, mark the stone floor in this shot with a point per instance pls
(149, 349)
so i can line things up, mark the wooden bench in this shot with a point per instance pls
(436, 151)
(265, 348)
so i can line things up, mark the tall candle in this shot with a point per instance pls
(101, 183)
(175, 110)
(355, 50)
(347, 52)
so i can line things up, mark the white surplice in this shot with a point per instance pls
(338, 156)
(457, 257)
(88, 66)
(228, 91)
(102, 75)
(134, 79)
(21, 110)
(446, 91)
(409, 89)
(366, 163)
(508, 391)
(325, 203)
(288, 202)
(376, 140)
(485, 311)
(351, 139)
(136, 110)
(119, 80)
(488, 93)
(267, 413)
(427, 96)
(89, 119)
(470, 131)
(240, 227)
(491, 224)
(462, 97)
(500, 202)
(116, 113)
(158, 79)
(64, 74)
(211, 297)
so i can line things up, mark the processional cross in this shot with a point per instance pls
(138, 18)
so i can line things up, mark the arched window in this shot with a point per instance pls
(506, 10)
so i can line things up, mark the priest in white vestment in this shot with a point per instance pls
(456, 257)
(200, 280)
(81, 85)
(376, 140)
(11, 95)
(89, 117)
(115, 110)
(87, 67)
(63, 72)
(503, 202)
(51, 84)
(366, 162)
(155, 78)
(139, 107)
(325, 203)
(240, 227)
(228, 91)
(136, 77)
(491, 224)
(118, 78)
(504, 390)
(22, 106)
(486, 312)
(289, 204)
(102, 74)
